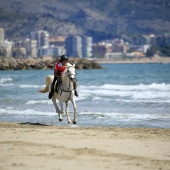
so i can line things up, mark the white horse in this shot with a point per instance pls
(65, 91)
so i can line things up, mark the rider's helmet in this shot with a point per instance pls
(63, 57)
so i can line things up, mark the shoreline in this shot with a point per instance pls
(26, 146)
(153, 60)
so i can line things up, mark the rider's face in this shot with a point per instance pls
(64, 62)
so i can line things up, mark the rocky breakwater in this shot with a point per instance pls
(43, 64)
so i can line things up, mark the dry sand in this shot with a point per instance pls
(36, 147)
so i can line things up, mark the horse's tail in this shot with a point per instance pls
(49, 80)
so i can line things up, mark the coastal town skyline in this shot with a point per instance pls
(41, 44)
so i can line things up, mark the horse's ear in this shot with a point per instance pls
(73, 64)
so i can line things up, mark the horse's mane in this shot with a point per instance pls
(68, 65)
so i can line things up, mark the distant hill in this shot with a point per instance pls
(97, 18)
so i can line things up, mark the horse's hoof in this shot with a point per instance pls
(74, 122)
(60, 120)
(69, 122)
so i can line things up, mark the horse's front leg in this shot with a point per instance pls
(62, 111)
(68, 117)
(57, 109)
(75, 108)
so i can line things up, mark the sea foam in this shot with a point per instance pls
(31, 102)
(11, 110)
(140, 91)
(5, 80)
(140, 87)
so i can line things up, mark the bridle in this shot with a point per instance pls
(70, 74)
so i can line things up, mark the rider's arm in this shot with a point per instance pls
(56, 73)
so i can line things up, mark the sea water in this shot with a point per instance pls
(124, 95)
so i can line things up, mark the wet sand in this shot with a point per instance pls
(27, 146)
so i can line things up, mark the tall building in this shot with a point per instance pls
(34, 48)
(38, 38)
(69, 46)
(42, 38)
(28, 47)
(73, 46)
(45, 39)
(152, 39)
(33, 35)
(8, 47)
(2, 37)
(87, 46)
(77, 46)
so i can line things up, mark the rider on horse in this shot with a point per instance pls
(58, 70)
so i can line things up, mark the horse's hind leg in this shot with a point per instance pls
(68, 117)
(57, 109)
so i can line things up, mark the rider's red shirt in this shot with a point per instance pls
(59, 67)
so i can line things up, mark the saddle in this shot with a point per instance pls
(58, 83)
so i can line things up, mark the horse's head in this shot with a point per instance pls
(69, 75)
(71, 72)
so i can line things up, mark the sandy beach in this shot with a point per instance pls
(27, 146)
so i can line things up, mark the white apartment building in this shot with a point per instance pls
(2, 37)
(8, 47)
(34, 48)
(87, 43)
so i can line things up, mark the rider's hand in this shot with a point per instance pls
(59, 78)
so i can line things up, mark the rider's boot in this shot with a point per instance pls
(50, 95)
(76, 93)
(52, 88)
